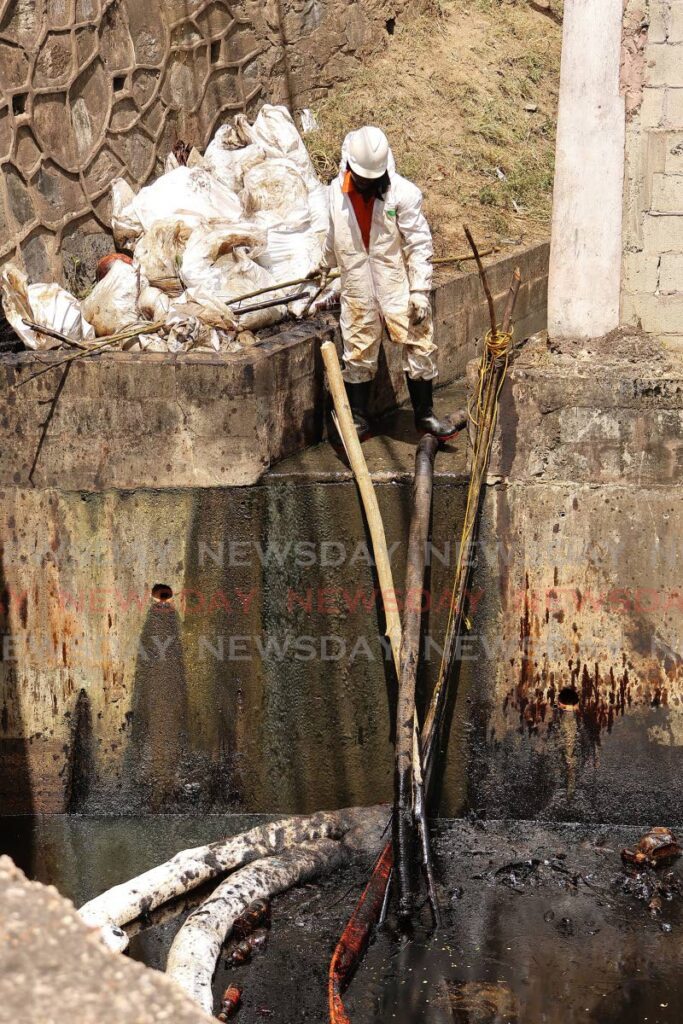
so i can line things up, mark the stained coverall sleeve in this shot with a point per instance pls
(328, 259)
(416, 236)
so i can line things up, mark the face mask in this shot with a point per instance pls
(366, 186)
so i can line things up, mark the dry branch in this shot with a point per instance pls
(406, 741)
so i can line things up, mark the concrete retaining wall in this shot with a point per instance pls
(127, 420)
(583, 602)
(135, 478)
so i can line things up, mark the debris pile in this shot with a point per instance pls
(245, 218)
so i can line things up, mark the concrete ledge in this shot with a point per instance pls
(609, 411)
(128, 420)
(53, 961)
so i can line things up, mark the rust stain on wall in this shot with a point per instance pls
(539, 690)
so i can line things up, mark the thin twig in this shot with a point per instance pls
(309, 279)
(121, 336)
(50, 332)
(511, 300)
(460, 259)
(484, 280)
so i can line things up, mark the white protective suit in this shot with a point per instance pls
(376, 284)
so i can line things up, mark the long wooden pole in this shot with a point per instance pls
(410, 655)
(359, 466)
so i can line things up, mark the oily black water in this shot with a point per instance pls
(543, 923)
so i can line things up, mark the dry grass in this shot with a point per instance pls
(467, 93)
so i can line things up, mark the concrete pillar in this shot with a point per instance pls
(585, 255)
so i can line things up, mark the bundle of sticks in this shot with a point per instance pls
(416, 749)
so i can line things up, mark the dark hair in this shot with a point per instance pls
(377, 187)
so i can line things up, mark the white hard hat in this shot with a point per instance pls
(369, 152)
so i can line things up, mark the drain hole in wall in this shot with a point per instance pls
(119, 83)
(390, 25)
(162, 593)
(19, 104)
(216, 51)
(568, 699)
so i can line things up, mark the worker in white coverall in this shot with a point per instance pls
(379, 238)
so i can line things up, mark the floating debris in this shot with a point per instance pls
(656, 847)
(257, 915)
(241, 951)
(478, 1002)
(230, 1002)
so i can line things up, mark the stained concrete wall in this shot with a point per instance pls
(95, 89)
(264, 686)
(579, 566)
(652, 293)
(109, 700)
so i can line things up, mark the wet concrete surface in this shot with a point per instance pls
(390, 451)
(544, 924)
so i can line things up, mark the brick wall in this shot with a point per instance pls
(652, 284)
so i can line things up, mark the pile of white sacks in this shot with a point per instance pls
(248, 214)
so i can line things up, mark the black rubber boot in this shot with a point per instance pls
(359, 399)
(421, 395)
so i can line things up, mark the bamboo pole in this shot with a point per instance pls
(368, 497)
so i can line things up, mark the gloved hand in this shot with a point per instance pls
(321, 276)
(419, 307)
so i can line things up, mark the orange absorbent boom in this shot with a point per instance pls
(355, 936)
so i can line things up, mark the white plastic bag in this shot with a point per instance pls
(160, 251)
(208, 255)
(227, 163)
(147, 343)
(153, 303)
(291, 255)
(198, 320)
(189, 195)
(125, 222)
(275, 131)
(45, 304)
(246, 276)
(319, 208)
(276, 191)
(113, 303)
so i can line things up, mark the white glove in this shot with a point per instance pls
(321, 276)
(419, 307)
